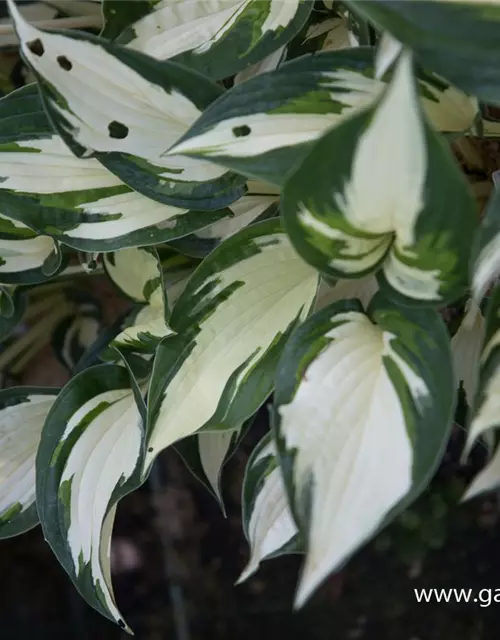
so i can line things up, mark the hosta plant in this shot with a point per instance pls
(274, 185)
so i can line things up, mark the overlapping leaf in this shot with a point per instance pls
(393, 200)
(216, 37)
(89, 457)
(254, 126)
(232, 321)
(485, 259)
(22, 416)
(364, 403)
(459, 40)
(129, 128)
(267, 520)
(76, 200)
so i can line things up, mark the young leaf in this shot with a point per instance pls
(138, 273)
(363, 407)
(156, 103)
(23, 413)
(217, 38)
(437, 31)
(252, 128)
(89, 458)
(410, 213)
(267, 520)
(76, 200)
(232, 321)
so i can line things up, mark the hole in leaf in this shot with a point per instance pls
(36, 47)
(117, 130)
(241, 132)
(64, 63)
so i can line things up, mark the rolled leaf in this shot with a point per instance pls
(156, 103)
(89, 458)
(217, 37)
(22, 416)
(363, 407)
(76, 200)
(232, 321)
(409, 214)
(254, 126)
(267, 520)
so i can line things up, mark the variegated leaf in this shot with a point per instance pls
(22, 416)
(486, 407)
(89, 457)
(394, 200)
(436, 32)
(156, 102)
(485, 259)
(76, 200)
(138, 273)
(217, 37)
(232, 321)
(28, 260)
(267, 520)
(466, 348)
(253, 126)
(364, 403)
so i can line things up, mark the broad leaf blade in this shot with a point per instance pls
(409, 214)
(157, 102)
(232, 321)
(364, 404)
(89, 457)
(22, 416)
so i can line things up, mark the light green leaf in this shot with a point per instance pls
(232, 321)
(364, 404)
(76, 200)
(409, 214)
(459, 40)
(23, 413)
(156, 102)
(89, 458)
(267, 520)
(216, 37)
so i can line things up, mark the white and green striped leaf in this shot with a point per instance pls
(254, 126)
(76, 200)
(216, 37)
(231, 322)
(486, 407)
(22, 416)
(485, 259)
(436, 32)
(138, 273)
(410, 215)
(267, 520)
(28, 260)
(156, 101)
(89, 457)
(363, 407)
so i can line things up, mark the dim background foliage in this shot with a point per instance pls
(175, 558)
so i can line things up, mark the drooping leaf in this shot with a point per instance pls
(410, 213)
(138, 273)
(232, 321)
(252, 128)
(156, 103)
(28, 260)
(218, 38)
(76, 200)
(22, 416)
(363, 407)
(459, 40)
(89, 458)
(267, 520)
